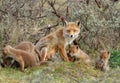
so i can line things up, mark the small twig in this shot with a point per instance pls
(34, 18)
(55, 11)
(87, 2)
(102, 44)
(98, 4)
(3, 11)
(67, 13)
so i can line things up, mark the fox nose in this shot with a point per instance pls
(72, 36)
(102, 60)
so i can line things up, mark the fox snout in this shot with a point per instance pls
(71, 33)
(71, 36)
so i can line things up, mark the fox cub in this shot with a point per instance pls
(58, 40)
(25, 46)
(24, 58)
(102, 61)
(75, 53)
(29, 47)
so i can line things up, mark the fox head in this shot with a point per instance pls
(7, 61)
(104, 56)
(73, 50)
(72, 29)
(6, 50)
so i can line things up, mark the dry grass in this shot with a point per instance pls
(59, 72)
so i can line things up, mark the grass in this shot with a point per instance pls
(115, 59)
(9, 75)
(59, 72)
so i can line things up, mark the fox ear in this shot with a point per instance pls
(65, 22)
(78, 22)
(108, 52)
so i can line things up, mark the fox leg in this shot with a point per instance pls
(44, 53)
(38, 53)
(36, 57)
(63, 53)
(21, 62)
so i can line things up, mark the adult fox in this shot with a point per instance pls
(58, 40)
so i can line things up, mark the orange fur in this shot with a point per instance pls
(58, 40)
(29, 47)
(102, 61)
(77, 53)
(25, 46)
(22, 57)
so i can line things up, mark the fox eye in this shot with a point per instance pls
(68, 31)
(75, 30)
(105, 57)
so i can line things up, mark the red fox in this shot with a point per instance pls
(75, 53)
(24, 58)
(26, 46)
(29, 47)
(58, 40)
(102, 61)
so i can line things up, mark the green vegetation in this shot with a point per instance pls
(115, 59)
(59, 72)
